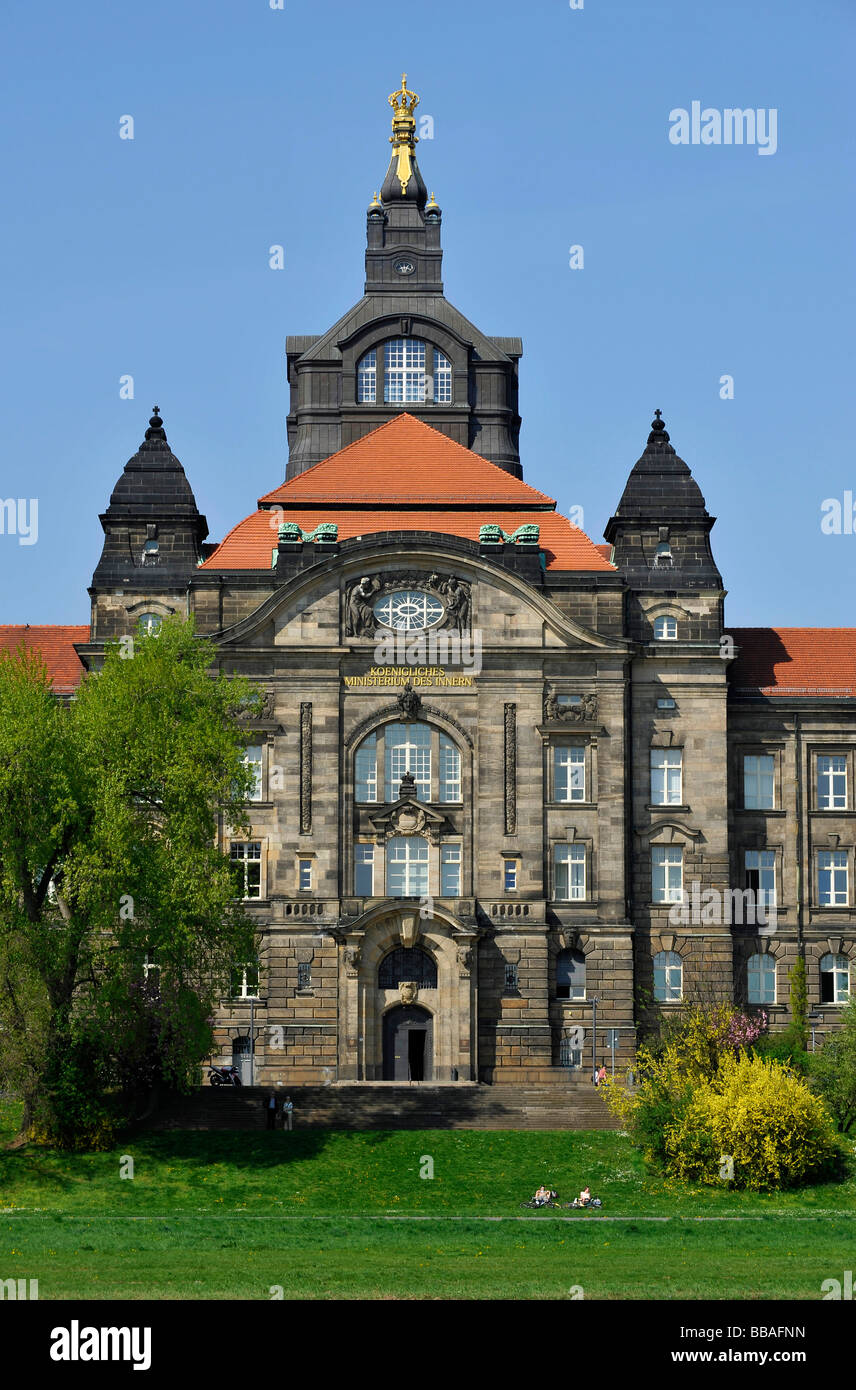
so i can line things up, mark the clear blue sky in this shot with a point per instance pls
(256, 126)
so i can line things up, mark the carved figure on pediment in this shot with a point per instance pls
(457, 595)
(361, 620)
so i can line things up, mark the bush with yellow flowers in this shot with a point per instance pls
(754, 1123)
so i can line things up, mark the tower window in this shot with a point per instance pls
(367, 378)
(413, 374)
(404, 372)
(663, 555)
(665, 629)
(442, 378)
(149, 623)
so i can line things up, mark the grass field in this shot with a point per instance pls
(347, 1215)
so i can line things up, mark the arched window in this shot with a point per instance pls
(414, 373)
(668, 976)
(433, 759)
(149, 623)
(407, 867)
(407, 963)
(834, 980)
(570, 975)
(761, 979)
(665, 629)
(367, 378)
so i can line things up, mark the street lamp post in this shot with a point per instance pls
(594, 1003)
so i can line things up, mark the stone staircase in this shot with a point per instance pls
(387, 1105)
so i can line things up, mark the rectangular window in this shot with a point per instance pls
(246, 858)
(761, 979)
(832, 782)
(304, 875)
(569, 772)
(253, 760)
(666, 776)
(511, 979)
(832, 885)
(666, 703)
(450, 871)
(404, 371)
(509, 875)
(760, 865)
(667, 874)
(569, 872)
(758, 781)
(450, 770)
(364, 871)
(365, 769)
(407, 867)
(245, 981)
(304, 976)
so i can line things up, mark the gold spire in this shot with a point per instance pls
(403, 138)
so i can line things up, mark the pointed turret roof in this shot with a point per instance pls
(153, 481)
(661, 488)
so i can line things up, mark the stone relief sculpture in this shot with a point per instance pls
(409, 702)
(454, 594)
(582, 712)
(361, 621)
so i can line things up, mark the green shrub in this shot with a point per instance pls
(762, 1116)
(783, 1047)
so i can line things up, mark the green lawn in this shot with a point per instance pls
(229, 1215)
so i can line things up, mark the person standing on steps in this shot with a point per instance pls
(270, 1110)
(287, 1113)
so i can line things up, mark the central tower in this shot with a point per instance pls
(403, 346)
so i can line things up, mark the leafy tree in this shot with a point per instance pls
(109, 812)
(797, 1030)
(832, 1070)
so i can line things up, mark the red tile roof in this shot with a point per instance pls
(248, 545)
(406, 476)
(56, 645)
(794, 661)
(407, 461)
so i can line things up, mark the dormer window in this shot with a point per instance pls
(413, 374)
(665, 629)
(663, 556)
(149, 623)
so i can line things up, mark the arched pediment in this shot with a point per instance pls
(441, 553)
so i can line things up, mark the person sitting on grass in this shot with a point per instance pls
(543, 1196)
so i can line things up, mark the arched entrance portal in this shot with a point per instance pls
(408, 1044)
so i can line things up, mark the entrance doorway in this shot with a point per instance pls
(242, 1058)
(408, 1044)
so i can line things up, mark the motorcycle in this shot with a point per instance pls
(224, 1076)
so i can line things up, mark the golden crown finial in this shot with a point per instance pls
(403, 102)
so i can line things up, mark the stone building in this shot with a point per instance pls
(511, 786)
